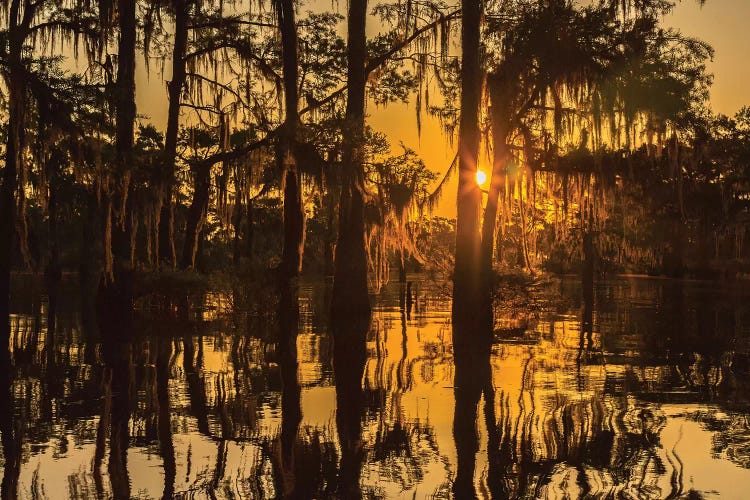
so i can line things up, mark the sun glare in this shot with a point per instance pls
(481, 177)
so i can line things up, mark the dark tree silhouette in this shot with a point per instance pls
(166, 253)
(350, 278)
(466, 279)
(294, 217)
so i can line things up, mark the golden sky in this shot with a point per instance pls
(722, 23)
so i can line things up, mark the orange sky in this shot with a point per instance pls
(722, 23)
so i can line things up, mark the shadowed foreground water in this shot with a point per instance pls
(650, 399)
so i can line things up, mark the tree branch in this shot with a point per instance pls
(371, 66)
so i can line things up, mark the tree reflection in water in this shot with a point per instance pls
(9, 430)
(166, 444)
(472, 380)
(349, 356)
(117, 355)
(612, 394)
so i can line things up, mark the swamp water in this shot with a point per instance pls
(652, 400)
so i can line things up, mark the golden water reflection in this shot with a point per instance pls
(651, 403)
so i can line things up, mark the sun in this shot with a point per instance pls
(481, 177)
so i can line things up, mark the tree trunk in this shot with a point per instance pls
(116, 291)
(8, 198)
(294, 216)
(166, 218)
(466, 281)
(16, 84)
(501, 156)
(294, 225)
(196, 214)
(350, 276)
(125, 87)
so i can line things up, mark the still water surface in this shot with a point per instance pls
(652, 401)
